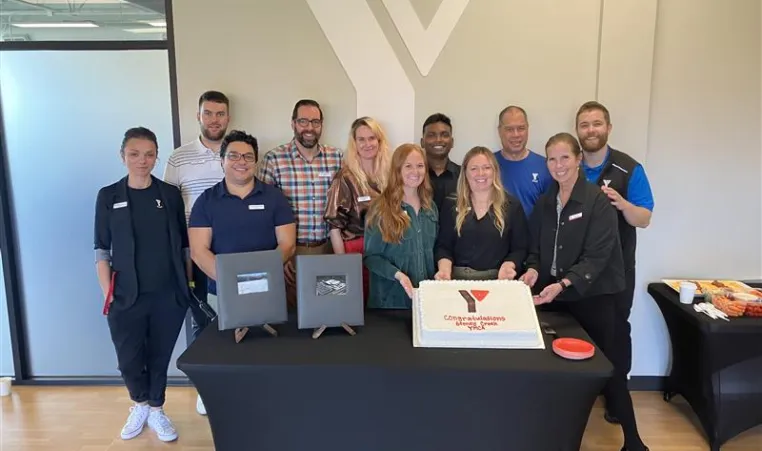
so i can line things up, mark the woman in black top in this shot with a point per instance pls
(141, 250)
(575, 263)
(483, 232)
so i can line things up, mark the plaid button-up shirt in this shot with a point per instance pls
(304, 183)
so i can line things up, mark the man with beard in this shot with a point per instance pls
(303, 169)
(437, 141)
(624, 181)
(193, 168)
(524, 173)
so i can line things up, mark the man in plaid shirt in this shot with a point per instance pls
(303, 169)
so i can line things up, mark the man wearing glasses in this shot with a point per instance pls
(303, 169)
(240, 213)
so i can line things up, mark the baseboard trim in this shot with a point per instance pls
(97, 381)
(647, 383)
(636, 383)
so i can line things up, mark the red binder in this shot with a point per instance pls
(110, 295)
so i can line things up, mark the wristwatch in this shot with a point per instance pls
(563, 284)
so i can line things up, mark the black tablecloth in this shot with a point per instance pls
(716, 366)
(376, 392)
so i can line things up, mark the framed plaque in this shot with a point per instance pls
(251, 290)
(329, 291)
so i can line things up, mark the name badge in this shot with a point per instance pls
(324, 175)
(256, 207)
(575, 216)
(120, 205)
(363, 199)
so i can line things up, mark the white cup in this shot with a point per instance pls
(5, 386)
(687, 292)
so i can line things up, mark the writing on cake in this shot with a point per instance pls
(475, 322)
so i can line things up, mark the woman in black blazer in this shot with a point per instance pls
(575, 263)
(141, 248)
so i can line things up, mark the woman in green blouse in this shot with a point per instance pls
(400, 232)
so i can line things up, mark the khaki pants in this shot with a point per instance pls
(466, 273)
(211, 299)
(323, 249)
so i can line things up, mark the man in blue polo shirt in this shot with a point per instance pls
(240, 213)
(624, 181)
(524, 173)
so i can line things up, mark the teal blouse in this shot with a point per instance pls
(413, 256)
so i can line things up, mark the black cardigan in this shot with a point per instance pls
(114, 234)
(589, 253)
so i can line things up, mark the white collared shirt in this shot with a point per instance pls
(193, 168)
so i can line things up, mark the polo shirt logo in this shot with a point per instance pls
(534, 177)
(606, 183)
(158, 203)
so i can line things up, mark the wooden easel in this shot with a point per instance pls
(319, 331)
(242, 331)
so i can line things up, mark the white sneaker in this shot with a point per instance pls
(162, 425)
(135, 422)
(200, 408)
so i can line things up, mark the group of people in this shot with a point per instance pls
(563, 223)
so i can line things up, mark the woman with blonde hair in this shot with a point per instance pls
(361, 178)
(400, 232)
(483, 232)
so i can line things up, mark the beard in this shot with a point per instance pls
(596, 145)
(211, 136)
(307, 143)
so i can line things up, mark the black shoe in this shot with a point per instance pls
(610, 418)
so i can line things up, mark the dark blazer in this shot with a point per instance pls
(114, 234)
(589, 253)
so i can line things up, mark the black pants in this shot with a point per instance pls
(601, 319)
(144, 336)
(199, 320)
(623, 309)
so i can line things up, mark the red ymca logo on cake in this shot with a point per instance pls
(478, 295)
(474, 322)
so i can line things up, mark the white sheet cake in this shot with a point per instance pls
(475, 314)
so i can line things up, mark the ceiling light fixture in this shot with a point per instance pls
(55, 25)
(155, 23)
(146, 30)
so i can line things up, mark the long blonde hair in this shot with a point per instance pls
(463, 204)
(386, 209)
(380, 162)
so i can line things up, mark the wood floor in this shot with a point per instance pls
(90, 418)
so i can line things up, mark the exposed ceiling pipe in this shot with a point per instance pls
(37, 6)
(88, 13)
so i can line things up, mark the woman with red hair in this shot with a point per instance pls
(400, 231)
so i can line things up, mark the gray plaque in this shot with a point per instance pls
(329, 290)
(251, 289)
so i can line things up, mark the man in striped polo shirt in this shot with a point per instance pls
(303, 170)
(193, 168)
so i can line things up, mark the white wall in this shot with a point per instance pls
(703, 156)
(681, 78)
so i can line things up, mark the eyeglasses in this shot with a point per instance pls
(247, 157)
(315, 122)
